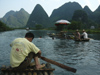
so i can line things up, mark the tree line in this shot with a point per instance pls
(4, 27)
(80, 20)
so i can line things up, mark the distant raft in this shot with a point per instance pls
(47, 70)
(86, 40)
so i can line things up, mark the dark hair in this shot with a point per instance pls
(29, 35)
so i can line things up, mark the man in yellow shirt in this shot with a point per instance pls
(23, 51)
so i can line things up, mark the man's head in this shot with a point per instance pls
(29, 36)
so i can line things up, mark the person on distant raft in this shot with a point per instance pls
(84, 35)
(23, 51)
(77, 34)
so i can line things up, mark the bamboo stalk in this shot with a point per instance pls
(58, 64)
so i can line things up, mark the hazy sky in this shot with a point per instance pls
(48, 5)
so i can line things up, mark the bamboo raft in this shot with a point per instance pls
(47, 70)
(85, 40)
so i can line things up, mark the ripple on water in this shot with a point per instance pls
(84, 56)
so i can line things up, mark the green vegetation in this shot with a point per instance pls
(60, 27)
(87, 30)
(75, 25)
(16, 19)
(80, 15)
(80, 18)
(93, 30)
(38, 26)
(3, 27)
(65, 11)
(38, 17)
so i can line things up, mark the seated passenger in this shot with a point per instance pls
(84, 35)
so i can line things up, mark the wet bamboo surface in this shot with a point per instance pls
(47, 70)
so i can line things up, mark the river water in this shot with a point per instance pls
(84, 56)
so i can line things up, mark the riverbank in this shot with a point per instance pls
(87, 30)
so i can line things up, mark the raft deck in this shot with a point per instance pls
(86, 40)
(47, 70)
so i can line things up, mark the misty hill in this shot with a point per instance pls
(98, 9)
(38, 17)
(97, 15)
(65, 11)
(16, 19)
(88, 11)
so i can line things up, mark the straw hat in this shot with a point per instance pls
(77, 30)
(83, 30)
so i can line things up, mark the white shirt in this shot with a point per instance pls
(85, 35)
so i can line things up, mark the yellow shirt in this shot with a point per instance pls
(21, 47)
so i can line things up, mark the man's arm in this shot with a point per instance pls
(39, 53)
